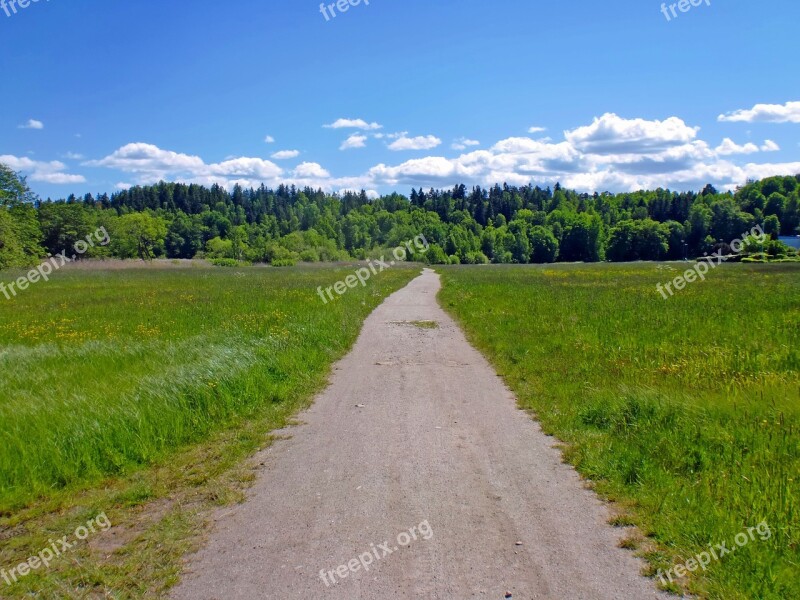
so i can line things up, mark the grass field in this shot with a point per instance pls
(685, 411)
(124, 388)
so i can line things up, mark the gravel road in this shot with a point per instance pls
(416, 437)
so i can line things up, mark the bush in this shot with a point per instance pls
(309, 256)
(436, 256)
(283, 262)
(476, 258)
(226, 262)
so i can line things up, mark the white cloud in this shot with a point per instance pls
(760, 171)
(728, 147)
(354, 141)
(152, 164)
(390, 136)
(32, 124)
(310, 170)
(611, 153)
(44, 172)
(422, 142)
(770, 146)
(269, 140)
(122, 185)
(58, 178)
(74, 156)
(765, 113)
(245, 167)
(611, 134)
(353, 124)
(147, 158)
(463, 143)
(285, 154)
(535, 129)
(146, 164)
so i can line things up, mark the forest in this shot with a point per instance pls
(501, 224)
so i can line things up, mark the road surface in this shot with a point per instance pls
(414, 475)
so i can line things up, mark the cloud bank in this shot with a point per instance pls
(611, 153)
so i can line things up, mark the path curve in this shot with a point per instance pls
(415, 429)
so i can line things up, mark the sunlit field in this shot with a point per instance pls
(684, 410)
(105, 370)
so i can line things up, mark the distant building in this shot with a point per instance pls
(791, 241)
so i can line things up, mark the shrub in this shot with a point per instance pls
(226, 262)
(283, 262)
(309, 256)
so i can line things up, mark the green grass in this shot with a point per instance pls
(102, 370)
(685, 411)
(142, 393)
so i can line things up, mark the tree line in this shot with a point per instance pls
(500, 224)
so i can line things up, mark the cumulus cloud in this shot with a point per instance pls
(535, 129)
(57, 178)
(147, 164)
(728, 146)
(464, 143)
(765, 113)
(285, 154)
(611, 153)
(354, 141)
(39, 171)
(32, 124)
(770, 146)
(152, 164)
(422, 142)
(74, 156)
(353, 124)
(310, 170)
(269, 140)
(611, 134)
(147, 158)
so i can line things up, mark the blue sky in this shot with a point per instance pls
(99, 95)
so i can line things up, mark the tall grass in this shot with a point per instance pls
(685, 410)
(103, 371)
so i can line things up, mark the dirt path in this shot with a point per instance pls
(415, 431)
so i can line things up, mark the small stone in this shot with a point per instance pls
(519, 543)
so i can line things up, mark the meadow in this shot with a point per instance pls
(684, 411)
(124, 387)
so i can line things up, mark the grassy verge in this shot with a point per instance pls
(685, 411)
(140, 394)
